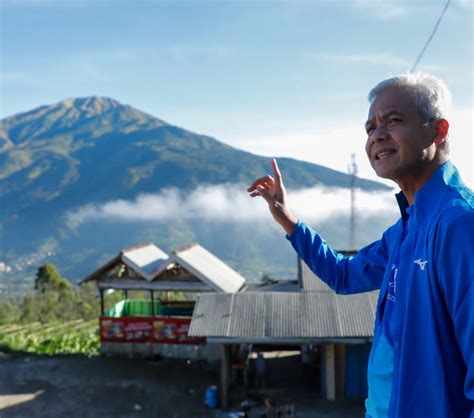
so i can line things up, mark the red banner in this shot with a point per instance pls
(147, 329)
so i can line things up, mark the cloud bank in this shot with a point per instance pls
(228, 203)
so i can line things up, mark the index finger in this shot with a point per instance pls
(276, 170)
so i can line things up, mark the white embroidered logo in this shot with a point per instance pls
(392, 286)
(421, 263)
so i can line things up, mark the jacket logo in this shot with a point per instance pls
(421, 263)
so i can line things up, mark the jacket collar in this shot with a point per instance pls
(403, 205)
(429, 196)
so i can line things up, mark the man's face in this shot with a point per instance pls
(399, 143)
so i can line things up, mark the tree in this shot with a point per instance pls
(87, 305)
(54, 300)
(48, 278)
(9, 312)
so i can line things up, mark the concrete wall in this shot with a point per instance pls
(193, 352)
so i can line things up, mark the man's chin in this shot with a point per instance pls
(384, 174)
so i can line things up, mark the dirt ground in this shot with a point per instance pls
(101, 387)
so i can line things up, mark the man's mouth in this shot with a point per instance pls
(384, 154)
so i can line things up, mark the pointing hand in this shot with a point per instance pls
(274, 193)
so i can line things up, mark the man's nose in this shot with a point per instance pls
(378, 134)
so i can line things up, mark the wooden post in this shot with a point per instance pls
(330, 372)
(225, 370)
(101, 291)
(340, 370)
(125, 293)
(152, 303)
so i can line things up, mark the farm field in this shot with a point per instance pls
(72, 337)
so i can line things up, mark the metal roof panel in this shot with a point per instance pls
(283, 315)
(206, 267)
(311, 282)
(211, 315)
(144, 259)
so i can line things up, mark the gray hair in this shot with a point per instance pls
(432, 95)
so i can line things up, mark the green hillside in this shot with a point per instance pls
(60, 157)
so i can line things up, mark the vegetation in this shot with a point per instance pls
(72, 337)
(55, 318)
(54, 299)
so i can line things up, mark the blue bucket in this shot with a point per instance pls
(211, 397)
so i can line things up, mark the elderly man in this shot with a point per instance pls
(422, 359)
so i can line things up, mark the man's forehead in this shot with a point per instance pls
(393, 100)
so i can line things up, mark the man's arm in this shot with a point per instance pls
(345, 275)
(454, 268)
(361, 273)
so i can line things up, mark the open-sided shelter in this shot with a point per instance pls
(157, 325)
(339, 327)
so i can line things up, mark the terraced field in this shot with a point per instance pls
(73, 337)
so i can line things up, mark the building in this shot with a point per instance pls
(157, 325)
(307, 314)
(222, 313)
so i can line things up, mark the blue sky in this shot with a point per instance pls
(279, 78)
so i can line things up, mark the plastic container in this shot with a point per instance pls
(211, 397)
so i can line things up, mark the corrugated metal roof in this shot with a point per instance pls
(244, 314)
(273, 316)
(206, 267)
(309, 281)
(144, 260)
(220, 308)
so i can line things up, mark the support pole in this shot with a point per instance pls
(152, 303)
(330, 371)
(340, 370)
(101, 291)
(225, 371)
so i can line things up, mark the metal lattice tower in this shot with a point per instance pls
(353, 171)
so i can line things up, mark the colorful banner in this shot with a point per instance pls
(163, 330)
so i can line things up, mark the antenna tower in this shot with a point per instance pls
(353, 171)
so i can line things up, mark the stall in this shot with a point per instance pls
(330, 333)
(159, 323)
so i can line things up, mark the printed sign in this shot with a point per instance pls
(173, 331)
(125, 329)
(147, 329)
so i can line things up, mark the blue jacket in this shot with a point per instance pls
(434, 354)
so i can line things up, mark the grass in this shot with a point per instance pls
(73, 337)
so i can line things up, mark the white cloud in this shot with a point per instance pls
(230, 203)
(466, 4)
(382, 8)
(461, 142)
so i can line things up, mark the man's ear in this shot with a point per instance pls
(442, 129)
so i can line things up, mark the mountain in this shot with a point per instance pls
(57, 158)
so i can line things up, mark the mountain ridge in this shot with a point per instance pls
(57, 158)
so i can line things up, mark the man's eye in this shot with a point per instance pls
(394, 121)
(369, 131)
